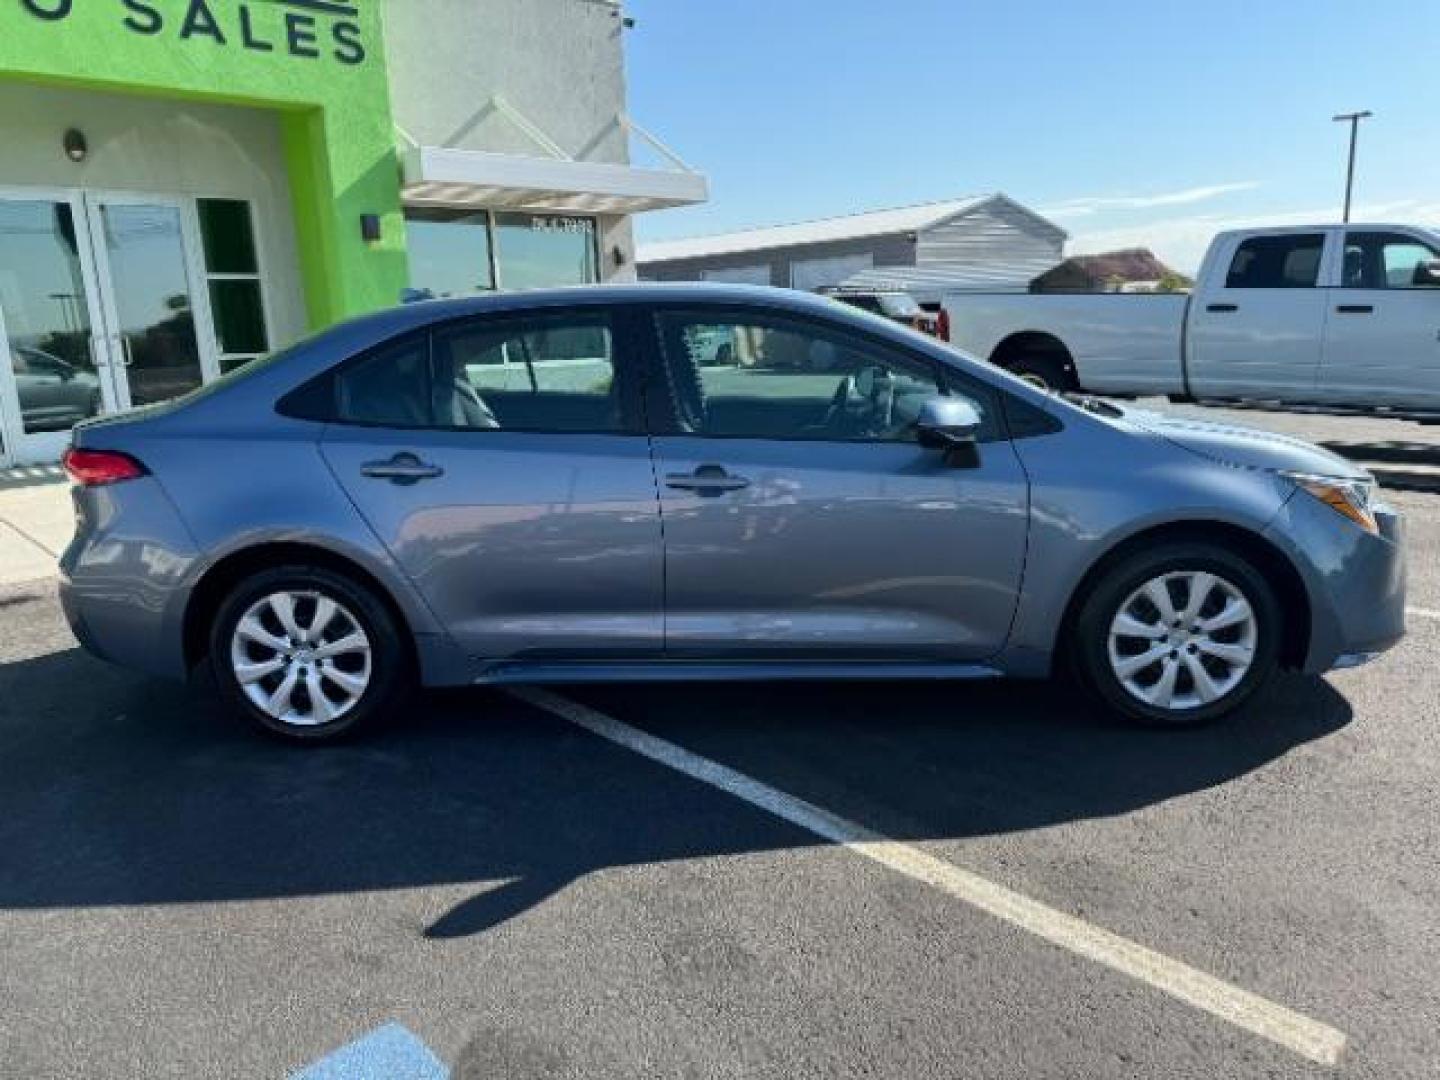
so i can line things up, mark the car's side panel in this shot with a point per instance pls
(239, 488)
(525, 545)
(859, 550)
(1095, 487)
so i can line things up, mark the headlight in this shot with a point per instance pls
(1348, 497)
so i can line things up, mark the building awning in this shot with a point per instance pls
(439, 176)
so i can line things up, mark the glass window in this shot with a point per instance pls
(1277, 262)
(537, 251)
(228, 238)
(755, 377)
(390, 387)
(47, 316)
(232, 270)
(547, 374)
(239, 316)
(449, 252)
(1379, 260)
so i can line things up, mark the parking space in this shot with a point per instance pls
(528, 897)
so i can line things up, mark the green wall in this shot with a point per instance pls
(323, 71)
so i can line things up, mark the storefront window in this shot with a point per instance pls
(541, 250)
(449, 252)
(232, 270)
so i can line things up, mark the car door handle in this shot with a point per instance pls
(1222, 309)
(706, 480)
(1355, 309)
(403, 468)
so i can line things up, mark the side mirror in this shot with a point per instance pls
(1428, 273)
(951, 425)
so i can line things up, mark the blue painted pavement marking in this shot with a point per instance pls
(387, 1053)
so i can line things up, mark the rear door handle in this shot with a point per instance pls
(403, 468)
(1222, 309)
(706, 480)
(1355, 309)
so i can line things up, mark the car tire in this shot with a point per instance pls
(1044, 370)
(357, 662)
(1203, 663)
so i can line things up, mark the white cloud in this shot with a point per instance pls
(1181, 241)
(1094, 204)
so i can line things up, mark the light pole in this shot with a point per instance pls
(1354, 119)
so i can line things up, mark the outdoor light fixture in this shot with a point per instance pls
(75, 146)
(618, 254)
(370, 228)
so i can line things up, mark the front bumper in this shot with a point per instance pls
(1355, 580)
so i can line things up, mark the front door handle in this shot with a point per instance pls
(403, 468)
(1355, 309)
(1222, 309)
(706, 480)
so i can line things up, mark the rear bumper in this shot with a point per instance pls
(122, 576)
(1356, 582)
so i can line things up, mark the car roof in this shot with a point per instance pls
(648, 292)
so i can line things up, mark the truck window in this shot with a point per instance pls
(1277, 262)
(1384, 260)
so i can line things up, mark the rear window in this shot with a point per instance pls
(1277, 262)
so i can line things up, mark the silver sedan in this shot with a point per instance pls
(702, 482)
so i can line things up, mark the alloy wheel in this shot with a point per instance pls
(1183, 640)
(301, 657)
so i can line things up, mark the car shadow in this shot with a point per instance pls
(122, 790)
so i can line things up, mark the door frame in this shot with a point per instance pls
(20, 448)
(192, 255)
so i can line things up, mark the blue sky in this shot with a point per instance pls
(1129, 123)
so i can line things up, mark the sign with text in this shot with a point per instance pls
(303, 29)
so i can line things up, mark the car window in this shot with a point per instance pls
(555, 373)
(1277, 262)
(390, 387)
(756, 376)
(1381, 260)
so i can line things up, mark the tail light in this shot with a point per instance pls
(92, 468)
(942, 325)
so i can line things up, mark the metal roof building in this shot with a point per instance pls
(981, 242)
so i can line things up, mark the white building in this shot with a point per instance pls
(983, 242)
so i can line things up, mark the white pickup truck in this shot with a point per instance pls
(1337, 317)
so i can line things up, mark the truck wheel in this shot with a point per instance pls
(1045, 371)
(1178, 635)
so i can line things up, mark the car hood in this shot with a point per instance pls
(1246, 447)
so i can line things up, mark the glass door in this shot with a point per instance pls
(156, 312)
(53, 360)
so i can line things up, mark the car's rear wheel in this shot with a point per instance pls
(1182, 634)
(307, 654)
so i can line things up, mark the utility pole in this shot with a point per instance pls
(1353, 118)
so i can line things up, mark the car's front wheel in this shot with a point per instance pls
(307, 654)
(1178, 635)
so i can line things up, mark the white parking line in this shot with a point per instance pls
(1424, 612)
(1309, 1038)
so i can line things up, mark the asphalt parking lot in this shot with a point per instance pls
(785, 880)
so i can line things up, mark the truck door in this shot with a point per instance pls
(1256, 328)
(1382, 335)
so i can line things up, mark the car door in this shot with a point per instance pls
(802, 518)
(503, 462)
(1382, 336)
(1257, 334)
